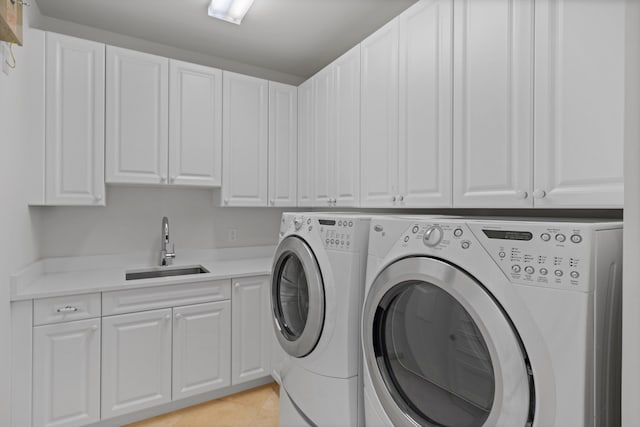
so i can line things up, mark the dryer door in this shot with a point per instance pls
(297, 297)
(440, 350)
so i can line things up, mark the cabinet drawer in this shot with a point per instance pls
(119, 302)
(63, 309)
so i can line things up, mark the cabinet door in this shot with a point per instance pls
(283, 144)
(425, 132)
(305, 144)
(493, 103)
(137, 117)
(579, 117)
(346, 154)
(251, 324)
(74, 118)
(201, 348)
(66, 374)
(245, 139)
(322, 138)
(195, 125)
(379, 126)
(136, 361)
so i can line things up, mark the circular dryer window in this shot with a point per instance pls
(433, 356)
(440, 351)
(293, 297)
(297, 297)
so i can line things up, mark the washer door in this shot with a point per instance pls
(440, 350)
(297, 297)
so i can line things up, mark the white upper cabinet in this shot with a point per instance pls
(306, 182)
(195, 125)
(323, 143)
(74, 121)
(201, 348)
(335, 132)
(493, 87)
(379, 117)
(346, 117)
(283, 144)
(425, 128)
(245, 140)
(579, 96)
(137, 117)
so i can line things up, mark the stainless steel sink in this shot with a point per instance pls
(156, 272)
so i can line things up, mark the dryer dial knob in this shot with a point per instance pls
(433, 236)
(297, 223)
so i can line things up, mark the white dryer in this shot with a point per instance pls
(317, 289)
(492, 322)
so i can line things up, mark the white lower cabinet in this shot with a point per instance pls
(201, 348)
(251, 329)
(66, 374)
(136, 361)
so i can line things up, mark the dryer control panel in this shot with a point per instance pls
(553, 255)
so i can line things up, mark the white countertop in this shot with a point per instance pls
(54, 277)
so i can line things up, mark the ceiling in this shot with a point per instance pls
(297, 37)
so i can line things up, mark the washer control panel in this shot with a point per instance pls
(553, 255)
(336, 233)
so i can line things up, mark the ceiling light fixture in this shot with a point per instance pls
(229, 10)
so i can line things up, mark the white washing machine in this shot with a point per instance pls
(492, 322)
(317, 289)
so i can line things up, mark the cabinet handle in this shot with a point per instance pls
(167, 317)
(178, 316)
(521, 194)
(173, 178)
(163, 178)
(273, 202)
(97, 197)
(67, 309)
(401, 197)
(94, 328)
(393, 198)
(226, 201)
(237, 285)
(539, 193)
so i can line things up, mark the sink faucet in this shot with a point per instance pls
(165, 256)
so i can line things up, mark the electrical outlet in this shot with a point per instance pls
(233, 234)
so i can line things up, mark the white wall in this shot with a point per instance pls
(131, 222)
(631, 284)
(18, 244)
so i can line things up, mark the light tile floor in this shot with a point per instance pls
(258, 407)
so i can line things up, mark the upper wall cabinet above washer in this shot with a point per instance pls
(152, 142)
(406, 109)
(579, 103)
(492, 124)
(330, 134)
(72, 147)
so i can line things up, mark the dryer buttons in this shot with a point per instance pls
(576, 238)
(560, 238)
(458, 232)
(415, 229)
(465, 244)
(529, 270)
(516, 268)
(545, 237)
(544, 271)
